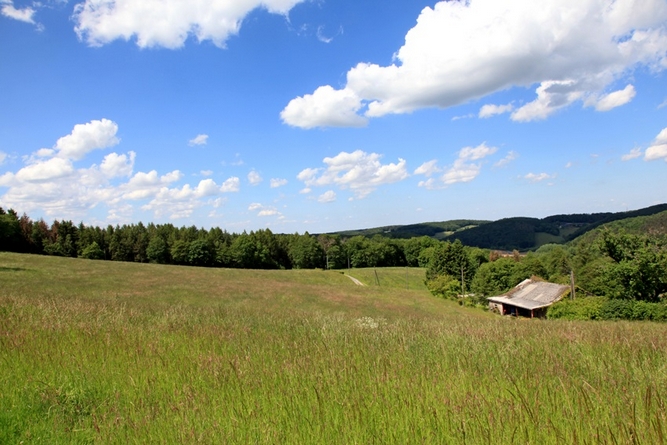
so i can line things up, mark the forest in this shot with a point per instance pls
(620, 267)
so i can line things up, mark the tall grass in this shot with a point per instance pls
(82, 364)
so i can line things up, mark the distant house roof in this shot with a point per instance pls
(532, 294)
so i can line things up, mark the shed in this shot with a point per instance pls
(530, 298)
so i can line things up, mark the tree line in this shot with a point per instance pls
(168, 244)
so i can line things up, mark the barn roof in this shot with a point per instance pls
(532, 294)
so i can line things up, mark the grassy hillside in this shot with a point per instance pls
(653, 224)
(105, 352)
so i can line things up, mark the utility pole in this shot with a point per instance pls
(463, 283)
(572, 291)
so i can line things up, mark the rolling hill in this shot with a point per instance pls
(520, 233)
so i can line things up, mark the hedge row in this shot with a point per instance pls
(602, 308)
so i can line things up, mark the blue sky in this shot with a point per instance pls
(333, 114)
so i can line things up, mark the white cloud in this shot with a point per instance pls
(461, 171)
(326, 107)
(181, 202)
(656, 152)
(231, 185)
(634, 153)
(200, 139)
(490, 110)
(144, 185)
(277, 182)
(511, 155)
(254, 178)
(658, 149)
(167, 23)
(268, 212)
(463, 50)
(263, 210)
(464, 168)
(206, 172)
(430, 184)
(615, 99)
(43, 171)
(323, 38)
(49, 182)
(328, 196)
(551, 97)
(428, 168)
(22, 15)
(115, 165)
(359, 171)
(85, 138)
(538, 177)
(3, 156)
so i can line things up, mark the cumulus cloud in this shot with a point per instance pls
(43, 171)
(569, 50)
(658, 149)
(278, 182)
(511, 155)
(538, 177)
(634, 153)
(464, 169)
(254, 178)
(613, 100)
(50, 182)
(358, 171)
(181, 202)
(22, 15)
(84, 138)
(328, 196)
(490, 110)
(167, 23)
(3, 156)
(115, 165)
(326, 107)
(428, 168)
(200, 139)
(231, 185)
(263, 210)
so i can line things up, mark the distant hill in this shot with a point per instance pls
(519, 233)
(655, 224)
(438, 230)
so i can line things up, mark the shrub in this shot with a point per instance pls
(588, 308)
(93, 252)
(602, 308)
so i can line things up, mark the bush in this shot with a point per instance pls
(580, 309)
(93, 252)
(444, 286)
(616, 309)
(602, 308)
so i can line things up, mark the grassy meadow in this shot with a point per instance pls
(106, 352)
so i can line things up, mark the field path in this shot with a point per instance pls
(357, 282)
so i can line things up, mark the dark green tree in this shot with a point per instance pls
(639, 266)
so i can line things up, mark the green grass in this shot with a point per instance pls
(101, 352)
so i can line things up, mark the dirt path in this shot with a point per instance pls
(357, 282)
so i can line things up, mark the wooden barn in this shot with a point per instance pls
(530, 298)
